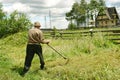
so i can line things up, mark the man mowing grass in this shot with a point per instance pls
(35, 37)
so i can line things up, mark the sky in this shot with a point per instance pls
(48, 12)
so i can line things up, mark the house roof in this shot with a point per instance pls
(110, 12)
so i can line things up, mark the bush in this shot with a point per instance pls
(15, 23)
(72, 26)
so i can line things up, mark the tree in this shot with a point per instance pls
(3, 29)
(73, 14)
(83, 11)
(102, 5)
(71, 26)
(2, 14)
(13, 23)
(18, 22)
(94, 7)
(83, 8)
(77, 13)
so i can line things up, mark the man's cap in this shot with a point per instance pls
(37, 24)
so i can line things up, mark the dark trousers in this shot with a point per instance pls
(30, 51)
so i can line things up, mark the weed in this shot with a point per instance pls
(90, 59)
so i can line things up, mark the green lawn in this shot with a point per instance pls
(89, 59)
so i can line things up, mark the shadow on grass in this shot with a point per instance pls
(17, 69)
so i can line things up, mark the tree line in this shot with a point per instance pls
(13, 23)
(83, 11)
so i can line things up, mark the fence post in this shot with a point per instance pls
(91, 32)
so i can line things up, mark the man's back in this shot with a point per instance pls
(35, 36)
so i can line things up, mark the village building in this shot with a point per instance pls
(107, 18)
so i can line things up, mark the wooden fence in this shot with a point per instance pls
(113, 35)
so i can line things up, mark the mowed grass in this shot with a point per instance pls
(89, 59)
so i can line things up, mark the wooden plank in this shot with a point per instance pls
(84, 33)
(115, 39)
(113, 34)
(116, 42)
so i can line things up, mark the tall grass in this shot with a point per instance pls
(93, 58)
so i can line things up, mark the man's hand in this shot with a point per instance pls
(47, 41)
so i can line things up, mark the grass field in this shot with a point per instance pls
(94, 58)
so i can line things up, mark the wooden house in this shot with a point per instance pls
(107, 18)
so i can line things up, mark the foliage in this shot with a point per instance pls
(93, 58)
(13, 23)
(83, 11)
(54, 32)
(72, 26)
(95, 6)
(77, 13)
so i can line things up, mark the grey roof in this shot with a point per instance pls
(110, 12)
